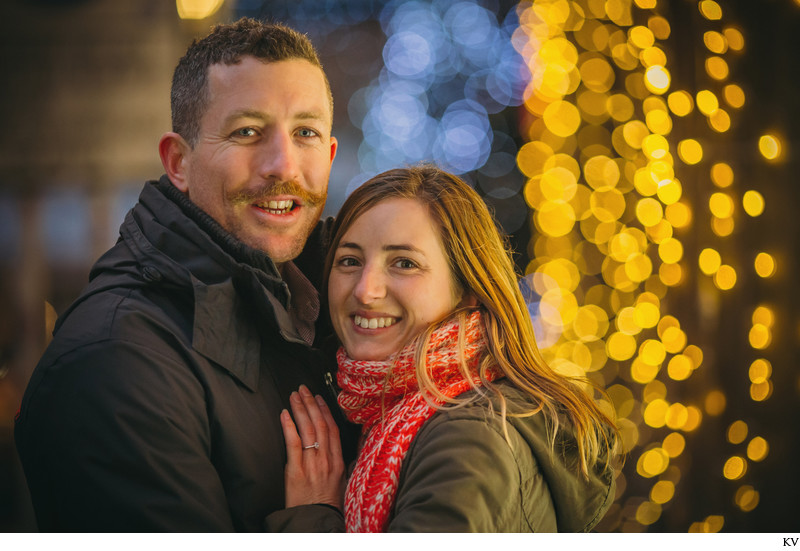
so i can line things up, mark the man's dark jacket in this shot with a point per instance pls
(156, 406)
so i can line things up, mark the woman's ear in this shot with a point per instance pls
(468, 300)
(174, 152)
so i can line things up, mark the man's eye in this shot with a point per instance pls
(307, 133)
(246, 132)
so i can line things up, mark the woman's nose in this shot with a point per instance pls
(371, 285)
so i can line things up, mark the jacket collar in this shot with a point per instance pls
(237, 290)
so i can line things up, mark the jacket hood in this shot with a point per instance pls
(170, 244)
(580, 502)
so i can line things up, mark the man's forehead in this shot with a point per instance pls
(221, 76)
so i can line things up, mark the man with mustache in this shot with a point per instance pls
(156, 406)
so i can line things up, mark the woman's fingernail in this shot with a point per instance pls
(304, 390)
(320, 400)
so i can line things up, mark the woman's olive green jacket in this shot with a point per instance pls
(462, 474)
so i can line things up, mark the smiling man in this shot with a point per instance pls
(156, 407)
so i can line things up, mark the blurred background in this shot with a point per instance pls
(642, 155)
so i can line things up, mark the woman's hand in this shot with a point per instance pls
(314, 465)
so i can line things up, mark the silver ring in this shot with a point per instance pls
(315, 445)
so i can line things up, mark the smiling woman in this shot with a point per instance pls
(464, 426)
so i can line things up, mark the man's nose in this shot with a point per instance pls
(279, 158)
(371, 286)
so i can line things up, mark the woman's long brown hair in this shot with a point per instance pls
(481, 263)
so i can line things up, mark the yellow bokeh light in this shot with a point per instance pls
(760, 371)
(678, 214)
(641, 37)
(669, 191)
(690, 151)
(715, 403)
(597, 75)
(679, 367)
(674, 340)
(657, 79)
(607, 203)
(670, 250)
(646, 315)
(722, 175)
(655, 146)
(626, 322)
(648, 513)
(720, 121)
(734, 37)
(734, 95)
(723, 227)
(652, 352)
(555, 218)
(721, 205)
(620, 346)
(761, 391)
(737, 432)
(765, 265)
(735, 468)
(746, 498)
(680, 102)
(753, 203)
(760, 336)
(694, 353)
(197, 9)
(709, 261)
(601, 171)
(695, 417)
(715, 42)
(764, 315)
(710, 10)
(662, 491)
(757, 449)
(674, 444)
(725, 278)
(677, 416)
(532, 156)
(717, 68)
(670, 274)
(635, 132)
(707, 102)
(659, 122)
(643, 373)
(652, 463)
(649, 211)
(659, 25)
(770, 147)
(620, 107)
(562, 118)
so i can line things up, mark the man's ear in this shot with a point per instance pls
(174, 152)
(334, 148)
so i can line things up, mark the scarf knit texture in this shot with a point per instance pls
(385, 398)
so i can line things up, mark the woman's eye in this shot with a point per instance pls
(405, 264)
(347, 262)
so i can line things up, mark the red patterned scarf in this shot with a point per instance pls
(385, 398)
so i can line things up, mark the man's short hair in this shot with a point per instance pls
(227, 44)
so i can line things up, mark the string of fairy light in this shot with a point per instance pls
(604, 170)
